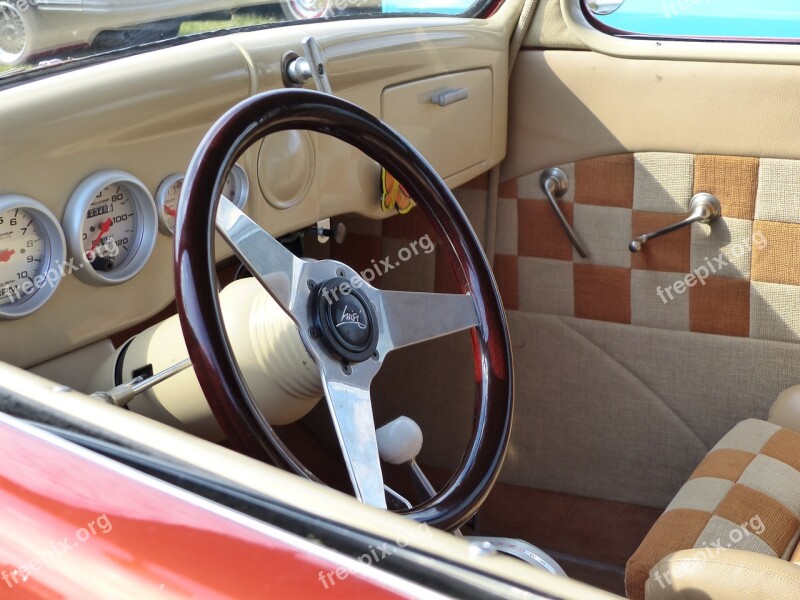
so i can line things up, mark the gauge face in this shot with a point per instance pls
(110, 228)
(32, 254)
(110, 225)
(237, 186)
(169, 192)
(236, 189)
(23, 255)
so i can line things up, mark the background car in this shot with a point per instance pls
(35, 28)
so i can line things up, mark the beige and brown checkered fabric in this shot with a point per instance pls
(752, 286)
(744, 495)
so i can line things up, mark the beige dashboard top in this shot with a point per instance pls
(146, 114)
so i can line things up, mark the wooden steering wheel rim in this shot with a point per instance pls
(200, 315)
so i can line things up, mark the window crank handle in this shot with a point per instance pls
(705, 208)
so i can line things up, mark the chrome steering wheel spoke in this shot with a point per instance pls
(277, 269)
(398, 319)
(350, 406)
(409, 318)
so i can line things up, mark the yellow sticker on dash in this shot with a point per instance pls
(395, 195)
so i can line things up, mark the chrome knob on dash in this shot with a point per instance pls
(704, 208)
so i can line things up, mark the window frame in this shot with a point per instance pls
(604, 39)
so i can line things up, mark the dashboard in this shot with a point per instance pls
(92, 160)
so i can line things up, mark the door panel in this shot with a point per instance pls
(619, 393)
(627, 370)
(566, 106)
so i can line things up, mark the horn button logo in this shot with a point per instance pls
(346, 321)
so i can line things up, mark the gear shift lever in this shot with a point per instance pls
(399, 443)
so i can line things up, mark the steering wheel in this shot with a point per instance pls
(348, 326)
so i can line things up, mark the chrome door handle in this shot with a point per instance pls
(705, 209)
(555, 183)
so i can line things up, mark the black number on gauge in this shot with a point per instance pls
(22, 244)
(105, 237)
(32, 255)
(110, 225)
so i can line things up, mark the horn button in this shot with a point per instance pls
(346, 320)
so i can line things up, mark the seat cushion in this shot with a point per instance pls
(744, 495)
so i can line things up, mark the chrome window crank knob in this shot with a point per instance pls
(704, 208)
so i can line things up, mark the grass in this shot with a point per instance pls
(191, 27)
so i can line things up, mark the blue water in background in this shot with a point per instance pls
(709, 18)
(439, 7)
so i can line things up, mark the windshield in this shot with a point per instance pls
(42, 33)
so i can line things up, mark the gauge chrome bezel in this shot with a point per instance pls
(242, 185)
(161, 199)
(55, 255)
(147, 226)
(241, 180)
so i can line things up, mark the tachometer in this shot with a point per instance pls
(236, 189)
(110, 225)
(32, 255)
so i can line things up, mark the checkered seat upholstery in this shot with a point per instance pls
(744, 497)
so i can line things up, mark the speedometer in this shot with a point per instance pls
(32, 255)
(236, 189)
(110, 225)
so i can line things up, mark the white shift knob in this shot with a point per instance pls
(400, 441)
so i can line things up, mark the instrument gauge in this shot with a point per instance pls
(237, 186)
(167, 196)
(110, 225)
(32, 256)
(236, 189)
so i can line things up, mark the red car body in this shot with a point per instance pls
(76, 525)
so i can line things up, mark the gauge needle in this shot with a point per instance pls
(6, 255)
(103, 231)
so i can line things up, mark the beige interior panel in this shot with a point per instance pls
(146, 114)
(450, 147)
(567, 106)
(549, 29)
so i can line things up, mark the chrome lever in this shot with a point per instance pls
(555, 184)
(313, 65)
(705, 209)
